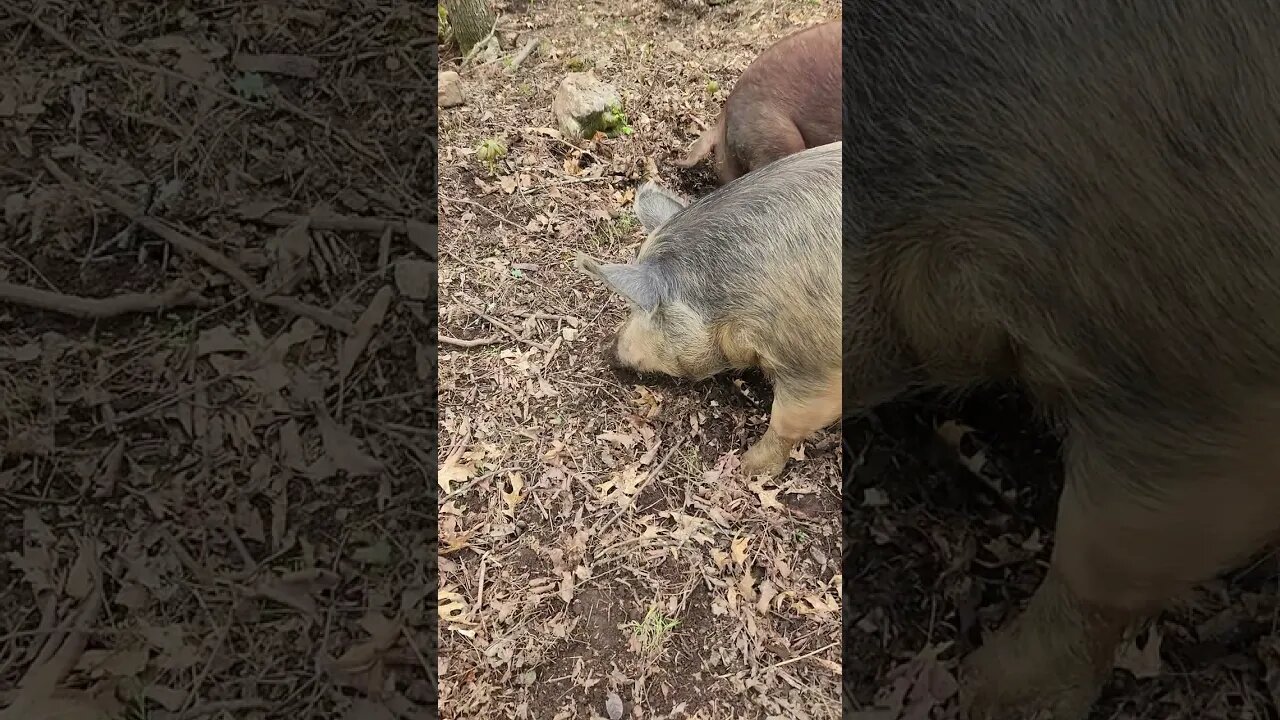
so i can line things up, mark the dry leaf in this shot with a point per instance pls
(451, 607)
(415, 278)
(628, 440)
(769, 499)
(874, 497)
(425, 237)
(295, 589)
(80, 578)
(365, 327)
(513, 498)
(566, 586)
(1143, 662)
(345, 450)
(738, 548)
(613, 706)
(451, 472)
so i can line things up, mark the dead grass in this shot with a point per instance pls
(216, 403)
(596, 537)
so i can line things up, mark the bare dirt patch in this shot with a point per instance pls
(216, 403)
(596, 537)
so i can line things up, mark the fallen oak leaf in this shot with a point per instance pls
(452, 607)
(513, 498)
(769, 498)
(345, 449)
(363, 655)
(1143, 662)
(295, 589)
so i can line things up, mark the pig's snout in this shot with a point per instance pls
(610, 351)
(624, 372)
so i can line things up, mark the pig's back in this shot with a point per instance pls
(799, 77)
(1099, 181)
(778, 227)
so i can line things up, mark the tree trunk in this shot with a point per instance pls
(471, 21)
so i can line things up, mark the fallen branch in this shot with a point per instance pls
(194, 247)
(219, 706)
(515, 335)
(422, 235)
(524, 53)
(446, 340)
(178, 294)
(60, 654)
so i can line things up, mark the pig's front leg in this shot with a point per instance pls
(1146, 513)
(798, 412)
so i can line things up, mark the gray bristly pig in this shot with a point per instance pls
(787, 99)
(745, 277)
(1083, 197)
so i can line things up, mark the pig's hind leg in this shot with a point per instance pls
(799, 410)
(1146, 513)
(761, 139)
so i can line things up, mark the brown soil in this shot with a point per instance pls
(217, 508)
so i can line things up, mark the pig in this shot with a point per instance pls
(746, 277)
(788, 99)
(1081, 198)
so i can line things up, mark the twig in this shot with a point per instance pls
(421, 234)
(480, 45)
(214, 258)
(446, 340)
(539, 315)
(491, 213)
(217, 706)
(427, 667)
(325, 221)
(653, 473)
(178, 294)
(43, 677)
(788, 661)
(511, 331)
(524, 53)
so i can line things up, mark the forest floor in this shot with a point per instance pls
(217, 260)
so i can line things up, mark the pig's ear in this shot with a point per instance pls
(633, 282)
(656, 204)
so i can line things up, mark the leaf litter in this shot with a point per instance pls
(222, 476)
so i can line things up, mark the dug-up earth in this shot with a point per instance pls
(601, 556)
(217, 255)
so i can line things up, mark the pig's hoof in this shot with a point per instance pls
(1040, 688)
(761, 460)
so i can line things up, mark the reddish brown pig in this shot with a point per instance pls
(787, 100)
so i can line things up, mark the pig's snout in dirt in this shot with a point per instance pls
(610, 351)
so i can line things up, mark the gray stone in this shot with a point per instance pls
(584, 105)
(450, 88)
